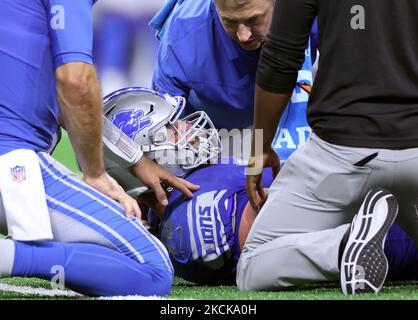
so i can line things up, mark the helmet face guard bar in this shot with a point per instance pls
(196, 133)
(197, 141)
(179, 103)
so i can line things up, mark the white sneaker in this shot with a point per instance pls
(364, 266)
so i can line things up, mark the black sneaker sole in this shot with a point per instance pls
(364, 266)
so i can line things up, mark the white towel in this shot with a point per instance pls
(23, 195)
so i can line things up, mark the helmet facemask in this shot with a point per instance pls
(189, 142)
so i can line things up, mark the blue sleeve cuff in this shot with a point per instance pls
(72, 57)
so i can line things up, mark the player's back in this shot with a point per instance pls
(201, 234)
(27, 85)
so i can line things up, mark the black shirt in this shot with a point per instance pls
(366, 90)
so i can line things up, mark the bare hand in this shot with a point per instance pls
(152, 175)
(254, 187)
(108, 186)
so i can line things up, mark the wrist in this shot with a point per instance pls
(255, 165)
(93, 172)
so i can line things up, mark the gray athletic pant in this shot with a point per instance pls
(296, 236)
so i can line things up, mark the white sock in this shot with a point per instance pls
(7, 257)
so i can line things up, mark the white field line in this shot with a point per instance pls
(38, 291)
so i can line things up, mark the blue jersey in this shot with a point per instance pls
(402, 255)
(201, 234)
(197, 59)
(36, 37)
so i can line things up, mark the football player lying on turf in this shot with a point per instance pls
(203, 235)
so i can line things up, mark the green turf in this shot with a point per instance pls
(399, 291)
(185, 290)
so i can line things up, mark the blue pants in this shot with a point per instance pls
(80, 214)
(402, 255)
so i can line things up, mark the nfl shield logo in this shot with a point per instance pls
(18, 173)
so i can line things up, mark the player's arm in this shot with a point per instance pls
(71, 34)
(80, 103)
(281, 59)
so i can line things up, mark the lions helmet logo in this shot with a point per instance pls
(131, 122)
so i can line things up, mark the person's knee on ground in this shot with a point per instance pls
(89, 269)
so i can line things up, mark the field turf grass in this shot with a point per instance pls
(183, 290)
